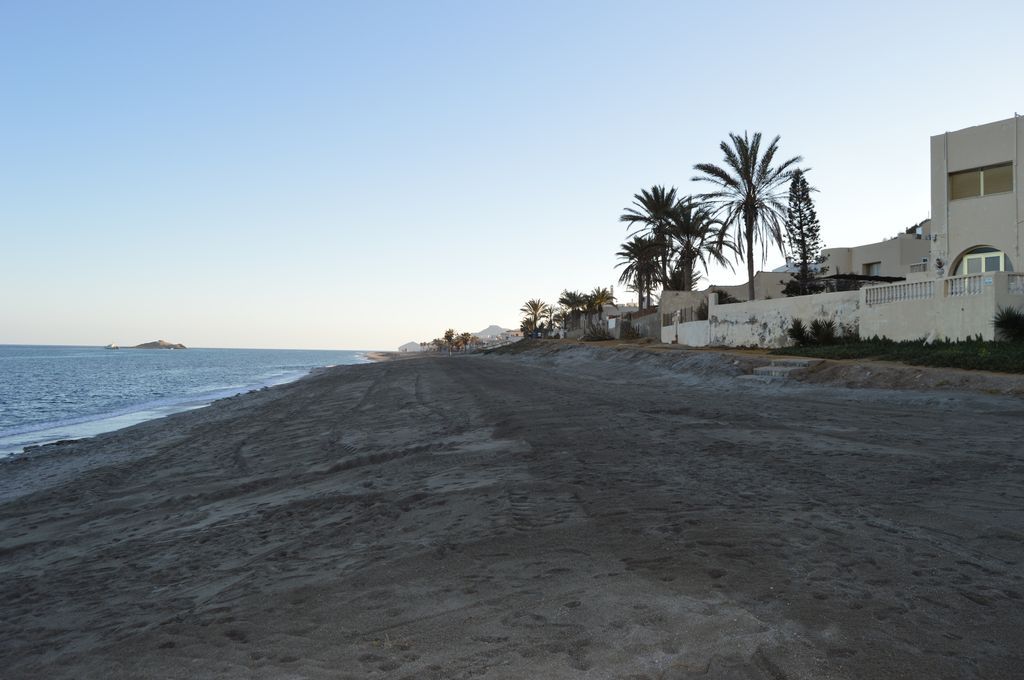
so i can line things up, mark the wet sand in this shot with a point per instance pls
(575, 514)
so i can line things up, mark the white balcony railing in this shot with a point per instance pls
(898, 292)
(963, 286)
(919, 267)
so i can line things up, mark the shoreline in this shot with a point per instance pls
(41, 439)
(579, 514)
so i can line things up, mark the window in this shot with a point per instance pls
(964, 184)
(872, 269)
(996, 179)
(982, 261)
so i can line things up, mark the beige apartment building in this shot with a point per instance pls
(899, 256)
(977, 204)
(977, 242)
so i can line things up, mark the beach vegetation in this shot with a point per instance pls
(822, 331)
(746, 194)
(596, 332)
(819, 332)
(1009, 322)
(976, 354)
(797, 332)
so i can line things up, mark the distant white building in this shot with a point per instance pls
(411, 347)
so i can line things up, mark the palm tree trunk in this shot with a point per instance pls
(750, 256)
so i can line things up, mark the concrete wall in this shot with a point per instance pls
(955, 308)
(763, 323)
(648, 326)
(691, 333)
(994, 220)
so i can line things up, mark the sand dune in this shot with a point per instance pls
(580, 514)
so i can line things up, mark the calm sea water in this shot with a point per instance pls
(53, 393)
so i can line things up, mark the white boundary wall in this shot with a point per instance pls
(763, 323)
(690, 333)
(955, 308)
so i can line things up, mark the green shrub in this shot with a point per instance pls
(1009, 321)
(970, 354)
(595, 333)
(629, 332)
(823, 332)
(797, 332)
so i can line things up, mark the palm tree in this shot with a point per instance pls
(652, 213)
(534, 310)
(561, 317)
(747, 194)
(589, 307)
(573, 301)
(549, 316)
(639, 256)
(695, 236)
(600, 297)
(449, 339)
(465, 340)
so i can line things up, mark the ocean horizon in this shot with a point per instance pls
(51, 393)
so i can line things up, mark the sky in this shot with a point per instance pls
(357, 175)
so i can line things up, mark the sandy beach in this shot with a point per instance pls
(581, 513)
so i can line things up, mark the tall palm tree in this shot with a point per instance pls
(600, 297)
(695, 237)
(534, 310)
(589, 307)
(573, 301)
(639, 256)
(652, 213)
(748, 194)
(549, 318)
(449, 339)
(560, 317)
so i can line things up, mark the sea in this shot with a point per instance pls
(53, 393)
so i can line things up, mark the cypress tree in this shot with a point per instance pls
(803, 237)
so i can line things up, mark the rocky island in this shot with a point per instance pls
(156, 344)
(160, 344)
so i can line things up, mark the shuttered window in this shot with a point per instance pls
(996, 179)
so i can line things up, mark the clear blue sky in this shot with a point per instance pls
(357, 175)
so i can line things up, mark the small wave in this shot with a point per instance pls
(14, 440)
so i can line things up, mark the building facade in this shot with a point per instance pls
(977, 203)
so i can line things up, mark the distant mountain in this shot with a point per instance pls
(159, 344)
(491, 331)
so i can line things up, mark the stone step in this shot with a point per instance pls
(796, 363)
(781, 368)
(777, 371)
(761, 378)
